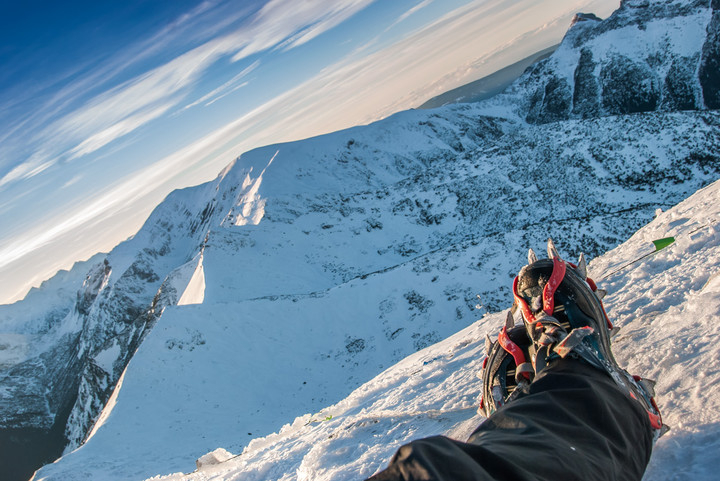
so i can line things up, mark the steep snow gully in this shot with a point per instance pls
(287, 284)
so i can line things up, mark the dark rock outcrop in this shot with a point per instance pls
(709, 72)
(628, 87)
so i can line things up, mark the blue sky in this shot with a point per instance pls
(105, 107)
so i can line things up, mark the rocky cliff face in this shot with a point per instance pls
(74, 336)
(419, 213)
(601, 68)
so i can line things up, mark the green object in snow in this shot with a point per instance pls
(663, 243)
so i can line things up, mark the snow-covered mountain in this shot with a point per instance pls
(307, 268)
(667, 307)
(650, 55)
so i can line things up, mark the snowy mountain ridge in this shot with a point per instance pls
(306, 268)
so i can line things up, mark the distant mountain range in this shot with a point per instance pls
(306, 268)
(489, 86)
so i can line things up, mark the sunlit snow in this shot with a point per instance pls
(668, 308)
(195, 291)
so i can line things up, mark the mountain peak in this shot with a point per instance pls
(646, 56)
(584, 17)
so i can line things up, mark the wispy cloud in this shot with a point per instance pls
(226, 88)
(36, 164)
(118, 129)
(325, 22)
(289, 23)
(56, 96)
(124, 108)
(225, 94)
(72, 181)
(410, 12)
(108, 115)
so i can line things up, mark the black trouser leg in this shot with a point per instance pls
(573, 424)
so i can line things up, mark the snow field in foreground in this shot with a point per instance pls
(667, 305)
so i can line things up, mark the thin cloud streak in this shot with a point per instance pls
(160, 85)
(296, 22)
(225, 94)
(336, 17)
(223, 88)
(409, 13)
(176, 76)
(88, 77)
(38, 162)
(118, 129)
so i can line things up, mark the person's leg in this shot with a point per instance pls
(558, 406)
(573, 424)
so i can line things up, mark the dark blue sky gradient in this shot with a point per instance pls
(45, 46)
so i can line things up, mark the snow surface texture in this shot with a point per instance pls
(331, 288)
(307, 268)
(668, 309)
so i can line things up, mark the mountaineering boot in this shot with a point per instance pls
(507, 370)
(561, 311)
(562, 315)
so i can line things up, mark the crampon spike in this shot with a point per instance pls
(509, 320)
(582, 267)
(551, 250)
(648, 385)
(532, 257)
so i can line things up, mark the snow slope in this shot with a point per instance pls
(668, 308)
(331, 288)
